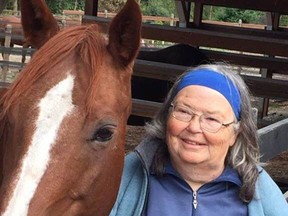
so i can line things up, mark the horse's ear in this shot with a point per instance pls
(38, 22)
(125, 33)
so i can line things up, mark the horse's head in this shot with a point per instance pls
(63, 121)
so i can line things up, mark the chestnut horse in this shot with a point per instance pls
(63, 121)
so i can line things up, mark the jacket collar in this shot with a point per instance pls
(147, 149)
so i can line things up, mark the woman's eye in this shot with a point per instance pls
(103, 134)
(184, 111)
(211, 119)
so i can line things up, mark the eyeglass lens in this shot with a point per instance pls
(208, 123)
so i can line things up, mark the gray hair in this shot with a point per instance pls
(242, 156)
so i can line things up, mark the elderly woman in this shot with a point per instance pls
(201, 154)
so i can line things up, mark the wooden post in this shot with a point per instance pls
(183, 10)
(172, 20)
(240, 52)
(64, 22)
(91, 7)
(198, 14)
(7, 43)
(271, 24)
(255, 114)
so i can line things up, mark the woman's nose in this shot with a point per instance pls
(194, 125)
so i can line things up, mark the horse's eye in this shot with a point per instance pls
(103, 134)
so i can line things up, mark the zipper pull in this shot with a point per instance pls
(195, 199)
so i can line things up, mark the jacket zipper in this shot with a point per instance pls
(195, 202)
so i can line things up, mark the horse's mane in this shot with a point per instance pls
(83, 40)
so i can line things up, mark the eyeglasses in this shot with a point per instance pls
(207, 122)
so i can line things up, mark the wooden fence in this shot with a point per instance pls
(7, 50)
(172, 20)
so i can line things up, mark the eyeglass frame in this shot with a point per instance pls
(172, 105)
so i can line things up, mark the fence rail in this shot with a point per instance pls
(8, 38)
(172, 20)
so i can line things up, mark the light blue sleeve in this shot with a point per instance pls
(133, 189)
(269, 200)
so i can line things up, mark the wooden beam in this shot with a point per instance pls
(260, 87)
(279, 65)
(145, 108)
(157, 70)
(199, 37)
(269, 88)
(4, 85)
(226, 29)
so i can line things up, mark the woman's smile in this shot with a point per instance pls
(190, 144)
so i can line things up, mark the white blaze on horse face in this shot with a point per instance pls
(53, 107)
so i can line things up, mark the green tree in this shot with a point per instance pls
(158, 7)
(111, 5)
(9, 4)
(284, 20)
(58, 6)
(234, 15)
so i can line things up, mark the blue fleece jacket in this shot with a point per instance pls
(134, 188)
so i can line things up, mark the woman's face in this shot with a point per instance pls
(187, 141)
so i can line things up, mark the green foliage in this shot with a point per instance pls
(58, 6)
(111, 6)
(9, 4)
(284, 21)
(234, 15)
(157, 7)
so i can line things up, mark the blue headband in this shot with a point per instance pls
(217, 81)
